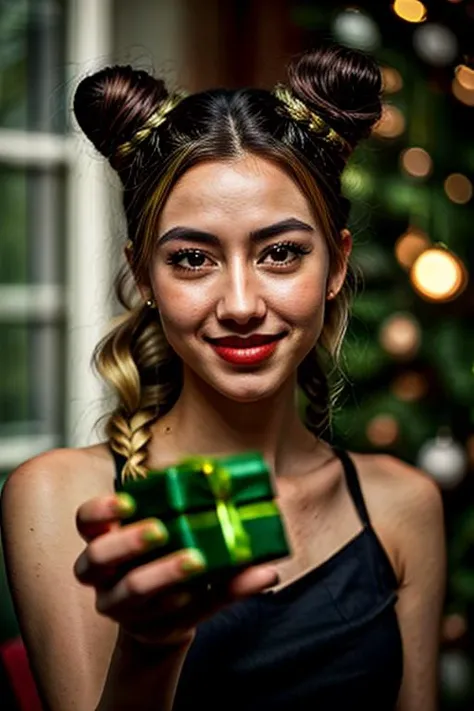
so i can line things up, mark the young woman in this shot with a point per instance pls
(238, 247)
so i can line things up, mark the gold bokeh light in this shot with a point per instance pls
(462, 93)
(465, 77)
(458, 188)
(410, 245)
(416, 162)
(391, 80)
(391, 124)
(410, 10)
(382, 430)
(438, 275)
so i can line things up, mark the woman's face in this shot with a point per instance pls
(239, 254)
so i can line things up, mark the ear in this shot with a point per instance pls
(145, 291)
(338, 273)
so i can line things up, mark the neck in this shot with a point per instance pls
(205, 422)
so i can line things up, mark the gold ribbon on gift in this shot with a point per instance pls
(235, 536)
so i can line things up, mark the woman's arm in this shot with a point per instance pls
(422, 549)
(69, 644)
(80, 660)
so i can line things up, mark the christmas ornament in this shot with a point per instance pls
(356, 29)
(455, 673)
(443, 459)
(435, 44)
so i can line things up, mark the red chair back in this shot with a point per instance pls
(16, 665)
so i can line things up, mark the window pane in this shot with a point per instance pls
(32, 61)
(32, 209)
(32, 378)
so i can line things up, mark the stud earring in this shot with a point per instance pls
(150, 303)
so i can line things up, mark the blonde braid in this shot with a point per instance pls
(322, 362)
(137, 360)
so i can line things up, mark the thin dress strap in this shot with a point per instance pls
(353, 485)
(119, 461)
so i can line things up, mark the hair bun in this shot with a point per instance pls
(114, 103)
(342, 85)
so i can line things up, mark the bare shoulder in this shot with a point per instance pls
(86, 471)
(404, 503)
(396, 488)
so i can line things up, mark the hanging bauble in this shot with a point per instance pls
(400, 336)
(444, 460)
(435, 44)
(356, 29)
(455, 673)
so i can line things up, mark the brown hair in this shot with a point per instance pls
(339, 86)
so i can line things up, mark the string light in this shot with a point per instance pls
(437, 275)
(400, 336)
(391, 124)
(463, 94)
(465, 77)
(416, 162)
(458, 188)
(383, 430)
(410, 386)
(410, 10)
(391, 80)
(410, 245)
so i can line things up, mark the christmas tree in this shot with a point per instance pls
(409, 352)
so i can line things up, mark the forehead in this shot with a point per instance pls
(248, 188)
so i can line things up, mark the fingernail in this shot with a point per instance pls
(155, 533)
(124, 505)
(194, 561)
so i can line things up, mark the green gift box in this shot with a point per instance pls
(224, 506)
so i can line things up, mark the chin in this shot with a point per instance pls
(246, 387)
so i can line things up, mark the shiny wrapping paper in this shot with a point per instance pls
(224, 506)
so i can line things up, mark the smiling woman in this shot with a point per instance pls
(236, 293)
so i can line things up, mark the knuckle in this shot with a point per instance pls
(102, 603)
(95, 554)
(135, 584)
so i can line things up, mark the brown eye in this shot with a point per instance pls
(195, 258)
(280, 254)
(285, 253)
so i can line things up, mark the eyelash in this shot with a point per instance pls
(298, 251)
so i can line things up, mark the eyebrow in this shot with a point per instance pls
(185, 234)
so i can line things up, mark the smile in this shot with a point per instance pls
(246, 351)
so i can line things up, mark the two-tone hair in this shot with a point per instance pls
(151, 137)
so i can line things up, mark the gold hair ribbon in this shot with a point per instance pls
(154, 121)
(298, 111)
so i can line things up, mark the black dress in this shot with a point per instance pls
(329, 640)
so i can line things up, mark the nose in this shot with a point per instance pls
(241, 298)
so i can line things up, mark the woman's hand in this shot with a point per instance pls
(149, 601)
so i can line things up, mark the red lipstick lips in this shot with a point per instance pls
(246, 351)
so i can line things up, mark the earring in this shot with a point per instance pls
(150, 303)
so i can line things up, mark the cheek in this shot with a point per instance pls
(303, 301)
(182, 305)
